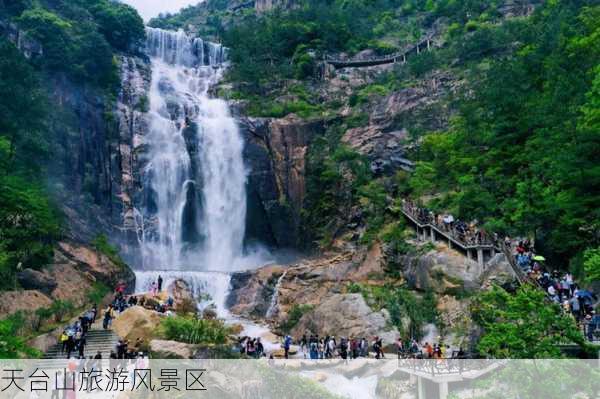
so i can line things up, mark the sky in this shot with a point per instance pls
(151, 8)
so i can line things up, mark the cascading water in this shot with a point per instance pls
(192, 214)
(194, 208)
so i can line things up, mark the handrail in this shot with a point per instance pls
(381, 59)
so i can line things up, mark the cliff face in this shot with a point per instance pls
(95, 163)
(275, 154)
(267, 5)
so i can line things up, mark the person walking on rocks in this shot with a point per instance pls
(160, 283)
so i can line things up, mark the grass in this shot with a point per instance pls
(192, 330)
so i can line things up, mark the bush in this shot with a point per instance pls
(41, 315)
(294, 316)
(103, 246)
(98, 292)
(13, 346)
(194, 331)
(60, 309)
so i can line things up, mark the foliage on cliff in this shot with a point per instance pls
(522, 152)
(79, 40)
(522, 326)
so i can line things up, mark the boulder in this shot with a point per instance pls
(183, 297)
(162, 349)
(35, 280)
(441, 269)
(346, 315)
(137, 322)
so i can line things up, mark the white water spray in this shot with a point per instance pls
(194, 209)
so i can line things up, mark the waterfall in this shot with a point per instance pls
(275, 297)
(192, 214)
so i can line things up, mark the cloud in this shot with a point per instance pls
(151, 8)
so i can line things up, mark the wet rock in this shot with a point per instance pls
(251, 291)
(183, 298)
(346, 315)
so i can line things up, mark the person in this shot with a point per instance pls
(108, 316)
(343, 348)
(287, 342)
(121, 349)
(160, 283)
(575, 308)
(399, 347)
(260, 349)
(376, 348)
(82, 343)
(428, 350)
(321, 348)
(331, 347)
(354, 348)
(250, 349)
(70, 346)
(153, 288)
(364, 347)
(63, 340)
(304, 345)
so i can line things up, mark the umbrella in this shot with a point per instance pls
(585, 294)
(539, 258)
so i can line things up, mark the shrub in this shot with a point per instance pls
(41, 315)
(60, 309)
(195, 331)
(294, 316)
(98, 292)
(103, 246)
(13, 346)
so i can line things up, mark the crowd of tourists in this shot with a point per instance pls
(315, 347)
(560, 287)
(74, 337)
(470, 233)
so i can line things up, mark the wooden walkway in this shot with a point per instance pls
(424, 44)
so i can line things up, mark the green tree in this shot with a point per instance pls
(591, 265)
(120, 24)
(523, 325)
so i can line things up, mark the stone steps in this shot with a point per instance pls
(97, 339)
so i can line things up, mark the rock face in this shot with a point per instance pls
(95, 164)
(162, 349)
(182, 295)
(346, 315)
(441, 270)
(252, 291)
(34, 280)
(308, 282)
(71, 276)
(26, 301)
(267, 5)
(275, 153)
